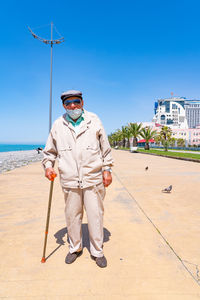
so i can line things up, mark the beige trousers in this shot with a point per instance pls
(92, 200)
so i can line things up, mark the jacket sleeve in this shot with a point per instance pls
(50, 152)
(105, 149)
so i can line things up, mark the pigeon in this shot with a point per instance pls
(168, 189)
(146, 168)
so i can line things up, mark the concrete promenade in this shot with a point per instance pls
(152, 239)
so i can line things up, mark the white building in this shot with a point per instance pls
(192, 112)
(177, 112)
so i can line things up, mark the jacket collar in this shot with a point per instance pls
(80, 119)
(87, 118)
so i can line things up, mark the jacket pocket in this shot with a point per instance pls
(67, 148)
(64, 151)
(91, 156)
(65, 162)
(92, 147)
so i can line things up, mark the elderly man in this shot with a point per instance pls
(79, 142)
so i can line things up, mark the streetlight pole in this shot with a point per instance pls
(50, 42)
(50, 103)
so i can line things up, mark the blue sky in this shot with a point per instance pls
(121, 54)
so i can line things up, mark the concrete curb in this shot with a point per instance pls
(167, 156)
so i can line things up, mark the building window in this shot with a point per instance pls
(174, 106)
(167, 106)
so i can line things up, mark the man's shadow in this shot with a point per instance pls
(59, 235)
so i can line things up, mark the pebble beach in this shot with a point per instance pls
(16, 159)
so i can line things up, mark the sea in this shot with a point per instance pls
(19, 147)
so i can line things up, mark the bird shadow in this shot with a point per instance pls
(60, 235)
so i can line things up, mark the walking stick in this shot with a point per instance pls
(43, 260)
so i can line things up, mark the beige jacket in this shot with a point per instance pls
(81, 158)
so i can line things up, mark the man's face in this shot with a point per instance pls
(70, 104)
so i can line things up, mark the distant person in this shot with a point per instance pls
(79, 142)
(39, 150)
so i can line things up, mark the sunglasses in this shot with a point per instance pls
(75, 101)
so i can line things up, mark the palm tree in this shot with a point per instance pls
(148, 134)
(172, 142)
(165, 136)
(116, 137)
(111, 139)
(128, 135)
(180, 142)
(157, 140)
(135, 130)
(123, 134)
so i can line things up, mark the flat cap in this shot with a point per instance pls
(71, 93)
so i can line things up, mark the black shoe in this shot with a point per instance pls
(71, 257)
(100, 261)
